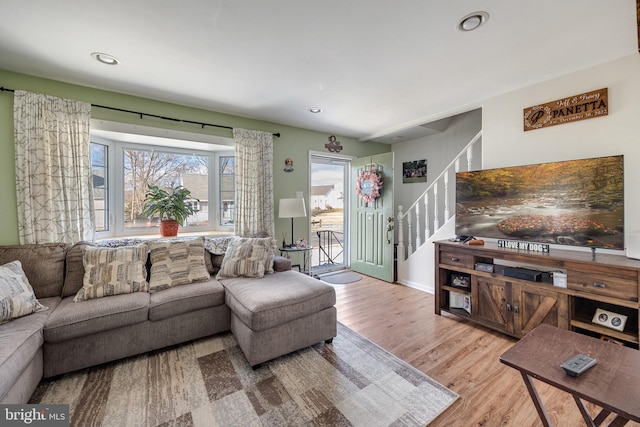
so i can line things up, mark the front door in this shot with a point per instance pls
(372, 216)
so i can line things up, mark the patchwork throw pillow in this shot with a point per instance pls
(177, 262)
(16, 294)
(113, 271)
(248, 257)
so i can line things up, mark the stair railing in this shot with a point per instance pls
(430, 211)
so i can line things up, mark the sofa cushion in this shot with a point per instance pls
(281, 263)
(215, 249)
(216, 261)
(184, 299)
(113, 271)
(71, 319)
(42, 263)
(248, 257)
(276, 299)
(20, 340)
(177, 262)
(74, 274)
(16, 295)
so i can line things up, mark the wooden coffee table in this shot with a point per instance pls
(613, 384)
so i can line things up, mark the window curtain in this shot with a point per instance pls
(254, 182)
(53, 169)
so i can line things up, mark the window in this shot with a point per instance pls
(166, 169)
(100, 179)
(120, 186)
(227, 182)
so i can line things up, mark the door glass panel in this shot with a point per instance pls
(328, 209)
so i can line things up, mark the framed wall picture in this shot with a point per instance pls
(415, 171)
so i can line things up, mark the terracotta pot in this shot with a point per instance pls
(169, 227)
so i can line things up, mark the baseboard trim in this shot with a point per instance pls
(417, 286)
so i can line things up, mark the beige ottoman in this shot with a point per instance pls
(280, 313)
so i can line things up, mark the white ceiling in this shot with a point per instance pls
(378, 68)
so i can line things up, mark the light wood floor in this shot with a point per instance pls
(458, 354)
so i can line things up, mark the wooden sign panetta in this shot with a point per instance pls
(572, 109)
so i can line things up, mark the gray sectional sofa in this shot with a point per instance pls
(270, 316)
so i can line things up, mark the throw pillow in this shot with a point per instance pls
(113, 271)
(177, 262)
(217, 245)
(248, 257)
(16, 294)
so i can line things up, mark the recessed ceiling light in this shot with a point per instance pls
(315, 110)
(472, 21)
(105, 58)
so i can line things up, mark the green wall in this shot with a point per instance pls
(294, 142)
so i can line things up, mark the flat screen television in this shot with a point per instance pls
(575, 202)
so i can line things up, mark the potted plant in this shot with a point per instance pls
(170, 205)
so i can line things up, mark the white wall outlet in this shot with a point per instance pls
(299, 194)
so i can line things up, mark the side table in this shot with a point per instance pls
(305, 267)
(612, 384)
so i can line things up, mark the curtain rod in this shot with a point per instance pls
(277, 135)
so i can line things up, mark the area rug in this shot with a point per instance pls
(350, 382)
(341, 278)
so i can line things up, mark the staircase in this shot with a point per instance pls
(429, 219)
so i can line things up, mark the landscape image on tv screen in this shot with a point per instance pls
(575, 202)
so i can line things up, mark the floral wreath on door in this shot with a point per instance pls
(368, 184)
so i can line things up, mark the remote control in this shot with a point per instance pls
(578, 364)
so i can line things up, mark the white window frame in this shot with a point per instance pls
(219, 190)
(110, 185)
(170, 141)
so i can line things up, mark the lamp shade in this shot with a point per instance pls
(292, 208)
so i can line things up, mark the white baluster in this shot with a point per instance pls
(400, 248)
(427, 231)
(409, 236)
(458, 164)
(418, 241)
(446, 196)
(436, 221)
(469, 157)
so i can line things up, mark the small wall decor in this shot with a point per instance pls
(288, 164)
(368, 184)
(415, 171)
(333, 145)
(572, 109)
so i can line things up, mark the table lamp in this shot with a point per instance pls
(292, 208)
